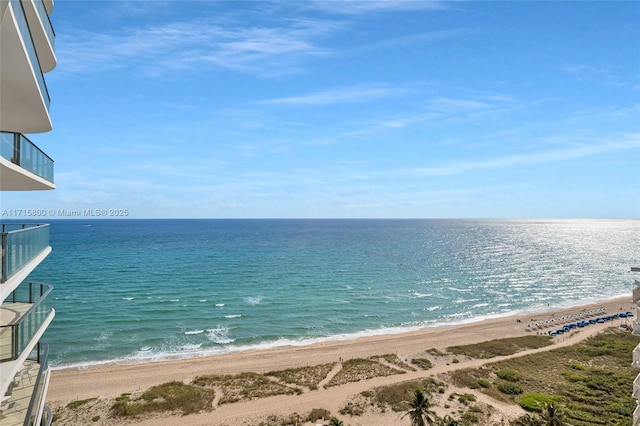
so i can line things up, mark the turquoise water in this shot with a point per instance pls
(142, 290)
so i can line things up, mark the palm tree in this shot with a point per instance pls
(553, 415)
(420, 414)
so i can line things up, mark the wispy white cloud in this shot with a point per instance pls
(439, 109)
(577, 150)
(196, 44)
(457, 105)
(341, 95)
(420, 39)
(357, 7)
(602, 75)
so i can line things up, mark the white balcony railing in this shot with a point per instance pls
(636, 356)
(636, 387)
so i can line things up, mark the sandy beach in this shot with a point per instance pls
(107, 382)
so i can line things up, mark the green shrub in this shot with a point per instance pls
(80, 402)
(576, 366)
(483, 383)
(466, 398)
(508, 375)
(436, 352)
(624, 409)
(422, 363)
(354, 410)
(510, 388)
(396, 396)
(501, 347)
(470, 417)
(533, 401)
(318, 413)
(172, 396)
(573, 377)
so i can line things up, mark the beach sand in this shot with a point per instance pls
(110, 381)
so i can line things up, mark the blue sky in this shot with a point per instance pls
(345, 109)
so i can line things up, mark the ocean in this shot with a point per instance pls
(138, 290)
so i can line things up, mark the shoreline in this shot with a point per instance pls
(110, 381)
(334, 339)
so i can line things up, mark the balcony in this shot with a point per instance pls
(21, 244)
(636, 388)
(636, 416)
(636, 357)
(42, 33)
(24, 316)
(25, 99)
(23, 166)
(23, 403)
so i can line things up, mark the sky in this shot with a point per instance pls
(344, 109)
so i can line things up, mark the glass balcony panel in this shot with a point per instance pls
(20, 244)
(23, 27)
(31, 303)
(34, 160)
(6, 145)
(18, 149)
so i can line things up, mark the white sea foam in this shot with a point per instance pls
(191, 347)
(421, 295)
(219, 335)
(232, 316)
(128, 298)
(219, 305)
(105, 335)
(254, 300)
(192, 332)
(202, 300)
